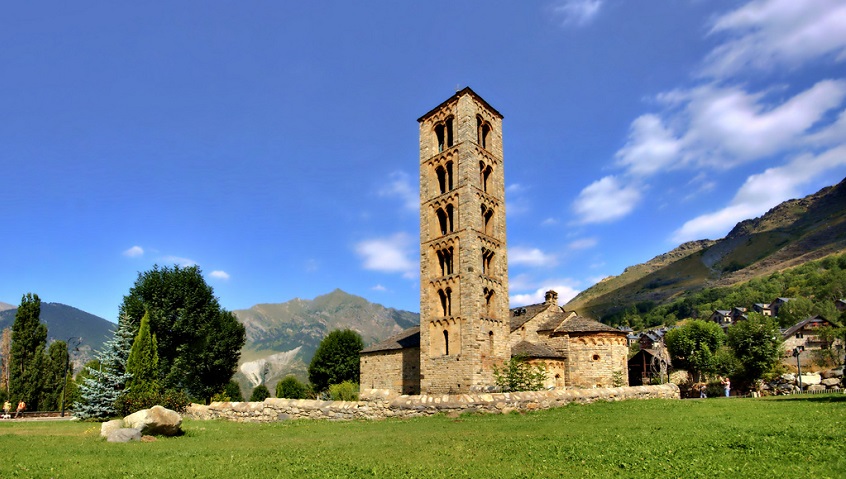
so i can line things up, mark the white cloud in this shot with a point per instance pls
(651, 147)
(400, 186)
(576, 12)
(184, 262)
(583, 243)
(379, 288)
(728, 126)
(763, 191)
(218, 274)
(389, 255)
(518, 255)
(134, 252)
(564, 290)
(772, 34)
(606, 200)
(549, 222)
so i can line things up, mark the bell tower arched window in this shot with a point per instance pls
(487, 219)
(487, 261)
(446, 301)
(483, 132)
(484, 175)
(443, 134)
(444, 174)
(445, 260)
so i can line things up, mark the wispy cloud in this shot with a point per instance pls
(218, 274)
(134, 252)
(761, 192)
(400, 186)
(606, 200)
(518, 255)
(583, 243)
(721, 123)
(390, 255)
(184, 262)
(564, 288)
(379, 288)
(576, 12)
(771, 34)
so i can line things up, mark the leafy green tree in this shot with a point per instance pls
(199, 343)
(757, 344)
(795, 310)
(344, 391)
(290, 387)
(143, 361)
(517, 374)
(233, 391)
(693, 346)
(260, 393)
(28, 360)
(54, 375)
(336, 359)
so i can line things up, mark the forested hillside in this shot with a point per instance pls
(814, 287)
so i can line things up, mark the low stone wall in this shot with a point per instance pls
(380, 404)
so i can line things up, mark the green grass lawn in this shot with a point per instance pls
(775, 437)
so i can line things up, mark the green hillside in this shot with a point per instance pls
(792, 233)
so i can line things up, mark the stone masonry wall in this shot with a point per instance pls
(380, 404)
(396, 370)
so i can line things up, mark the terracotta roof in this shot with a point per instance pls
(579, 324)
(535, 350)
(410, 338)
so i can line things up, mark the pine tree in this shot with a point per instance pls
(143, 361)
(29, 339)
(54, 375)
(105, 384)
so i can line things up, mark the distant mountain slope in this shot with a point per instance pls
(5, 306)
(792, 233)
(282, 338)
(64, 322)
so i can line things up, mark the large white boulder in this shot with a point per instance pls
(155, 421)
(124, 435)
(810, 379)
(109, 426)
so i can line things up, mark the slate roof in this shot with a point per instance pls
(801, 324)
(522, 315)
(410, 338)
(579, 324)
(535, 350)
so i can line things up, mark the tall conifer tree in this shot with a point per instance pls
(29, 339)
(143, 361)
(106, 383)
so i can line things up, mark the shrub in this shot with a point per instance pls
(133, 401)
(291, 388)
(518, 375)
(260, 393)
(345, 391)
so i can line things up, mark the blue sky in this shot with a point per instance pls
(274, 144)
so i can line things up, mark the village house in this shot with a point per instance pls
(804, 335)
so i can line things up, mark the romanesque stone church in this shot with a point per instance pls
(466, 327)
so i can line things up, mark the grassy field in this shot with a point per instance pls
(775, 437)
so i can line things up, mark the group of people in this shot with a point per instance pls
(7, 406)
(725, 382)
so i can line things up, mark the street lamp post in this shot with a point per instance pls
(796, 353)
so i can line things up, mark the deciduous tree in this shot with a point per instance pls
(693, 346)
(336, 359)
(757, 344)
(199, 343)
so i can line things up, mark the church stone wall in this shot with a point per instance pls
(394, 370)
(594, 358)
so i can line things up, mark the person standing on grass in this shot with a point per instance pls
(20, 409)
(727, 385)
(7, 406)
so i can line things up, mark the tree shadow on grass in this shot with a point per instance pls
(827, 398)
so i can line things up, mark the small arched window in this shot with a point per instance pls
(446, 342)
(443, 134)
(483, 133)
(491, 341)
(445, 260)
(487, 216)
(487, 261)
(484, 175)
(489, 301)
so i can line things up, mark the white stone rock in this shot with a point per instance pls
(810, 379)
(830, 382)
(155, 421)
(124, 435)
(789, 378)
(110, 426)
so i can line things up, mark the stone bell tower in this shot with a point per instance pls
(464, 315)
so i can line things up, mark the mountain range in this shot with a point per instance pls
(282, 337)
(794, 232)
